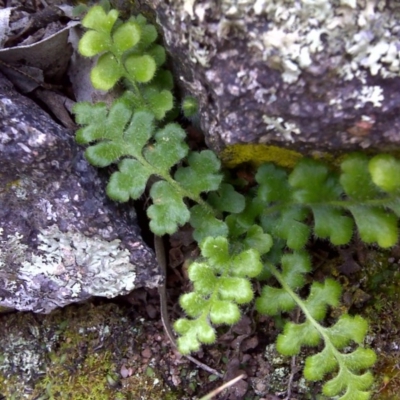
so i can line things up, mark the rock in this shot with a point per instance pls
(61, 240)
(310, 76)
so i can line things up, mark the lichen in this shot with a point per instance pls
(106, 263)
(11, 250)
(366, 33)
(282, 128)
(72, 264)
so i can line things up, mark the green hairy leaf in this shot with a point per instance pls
(321, 296)
(273, 183)
(141, 68)
(168, 148)
(133, 37)
(349, 386)
(190, 106)
(94, 42)
(333, 224)
(274, 301)
(296, 335)
(311, 188)
(168, 210)
(145, 151)
(99, 20)
(193, 332)
(227, 199)
(288, 225)
(224, 312)
(129, 182)
(356, 179)
(205, 224)
(348, 329)
(126, 36)
(384, 170)
(202, 173)
(312, 183)
(376, 225)
(155, 99)
(294, 266)
(220, 282)
(258, 240)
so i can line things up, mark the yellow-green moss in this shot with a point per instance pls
(257, 154)
(77, 354)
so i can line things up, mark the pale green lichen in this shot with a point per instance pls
(22, 187)
(188, 7)
(70, 264)
(348, 45)
(11, 249)
(364, 31)
(105, 263)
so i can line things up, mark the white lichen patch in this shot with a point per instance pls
(362, 96)
(22, 187)
(28, 361)
(66, 265)
(101, 268)
(364, 32)
(11, 249)
(370, 94)
(284, 128)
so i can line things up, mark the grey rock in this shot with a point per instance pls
(61, 240)
(310, 75)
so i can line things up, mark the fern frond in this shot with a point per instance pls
(348, 383)
(220, 284)
(362, 195)
(144, 151)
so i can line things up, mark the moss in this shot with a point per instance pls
(88, 382)
(258, 154)
(76, 353)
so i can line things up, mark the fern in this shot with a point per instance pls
(258, 236)
(127, 132)
(220, 285)
(349, 383)
(364, 194)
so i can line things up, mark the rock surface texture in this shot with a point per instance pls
(61, 240)
(309, 75)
